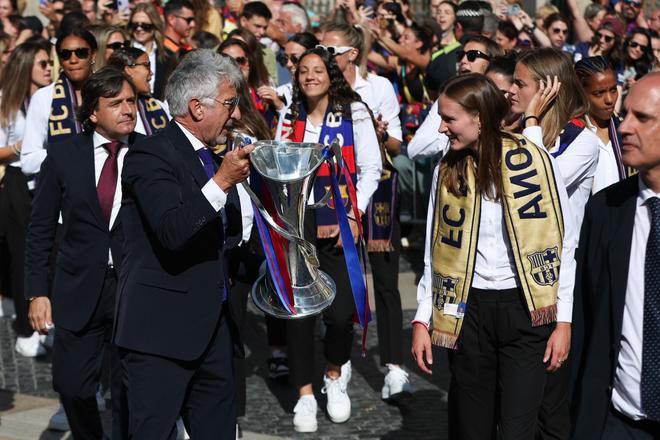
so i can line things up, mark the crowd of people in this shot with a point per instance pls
(128, 247)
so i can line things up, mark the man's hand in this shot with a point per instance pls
(421, 347)
(558, 346)
(40, 314)
(234, 169)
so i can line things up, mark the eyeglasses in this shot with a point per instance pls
(635, 45)
(284, 59)
(146, 64)
(187, 19)
(82, 53)
(135, 25)
(334, 50)
(44, 63)
(230, 104)
(472, 55)
(607, 38)
(557, 31)
(633, 3)
(118, 45)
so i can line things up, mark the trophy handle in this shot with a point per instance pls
(336, 153)
(306, 247)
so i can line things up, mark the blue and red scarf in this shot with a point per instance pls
(381, 211)
(62, 122)
(152, 114)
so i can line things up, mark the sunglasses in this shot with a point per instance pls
(241, 61)
(559, 31)
(44, 63)
(230, 104)
(187, 19)
(135, 25)
(119, 45)
(607, 38)
(334, 50)
(635, 45)
(633, 3)
(146, 64)
(284, 59)
(472, 55)
(82, 53)
(59, 11)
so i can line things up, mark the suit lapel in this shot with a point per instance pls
(619, 255)
(188, 155)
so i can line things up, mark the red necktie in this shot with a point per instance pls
(108, 180)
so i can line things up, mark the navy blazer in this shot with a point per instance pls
(67, 184)
(171, 287)
(603, 258)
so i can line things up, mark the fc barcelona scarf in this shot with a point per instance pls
(62, 121)
(334, 127)
(381, 211)
(152, 114)
(530, 202)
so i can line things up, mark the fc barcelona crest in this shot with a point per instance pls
(382, 214)
(545, 266)
(444, 289)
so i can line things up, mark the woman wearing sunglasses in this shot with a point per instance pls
(606, 42)
(637, 57)
(153, 114)
(146, 28)
(28, 69)
(325, 108)
(598, 78)
(556, 27)
(51, 114)
(483, 293)
(108, 40)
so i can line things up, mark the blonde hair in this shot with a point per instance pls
(154, 16)
(356, 36)
(571, 100)
(102, 34)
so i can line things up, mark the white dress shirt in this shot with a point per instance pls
(13, 133)
(427, 140)
(378, 93)
(367, 152)
(100, 156)
(607, 171)
(577, 165)
(626, 393)
(495, 269)
(212, 192)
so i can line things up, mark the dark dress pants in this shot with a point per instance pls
(498, 374)
(620, 427)
(202, 391)
(77, 364)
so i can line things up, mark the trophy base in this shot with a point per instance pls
(309, 300)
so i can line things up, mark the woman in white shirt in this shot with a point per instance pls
(492, 289)
(325, 108)
(598, 78)
(28, 70)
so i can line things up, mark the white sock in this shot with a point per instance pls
(307, 397)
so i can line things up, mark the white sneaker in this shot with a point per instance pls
(304, 419)
(396, 382)
(181, 434)
(339, 405)
(58, 421)
(346, 373)
(30, 346)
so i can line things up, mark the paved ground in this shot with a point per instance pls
(27, 399)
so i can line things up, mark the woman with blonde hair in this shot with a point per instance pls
(108, 39)
(146, 28)
(505, 317)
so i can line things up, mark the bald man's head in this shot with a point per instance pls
(640, 130)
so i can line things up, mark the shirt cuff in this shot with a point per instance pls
(424, 312)
(564, 311)
(216, 196)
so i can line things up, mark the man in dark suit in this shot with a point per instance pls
(79, 178)
(617, 292)
(179, 210)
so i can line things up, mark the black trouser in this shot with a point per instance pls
(554, 416)
(202, 391)
(338, 318)
(15, 208)
(498, 375)
(620, 427)
(77, 363)
(389, 322)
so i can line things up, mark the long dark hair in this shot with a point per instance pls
(643, 65)
(258, 74)
(341, 93)
(478, 95)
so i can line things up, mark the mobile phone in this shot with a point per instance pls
(513, 9)
(123, 5)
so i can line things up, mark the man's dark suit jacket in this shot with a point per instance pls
(67, 183)
(600, 292)
(171, 288)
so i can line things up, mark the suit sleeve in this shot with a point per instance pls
(41, 230)
(152, 181)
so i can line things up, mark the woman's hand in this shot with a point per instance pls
(544, 96)
(269, 95)
(558, 346)
(421, 347)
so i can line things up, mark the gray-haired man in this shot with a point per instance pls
(171, 317)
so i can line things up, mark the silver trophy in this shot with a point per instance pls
(288, 170)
